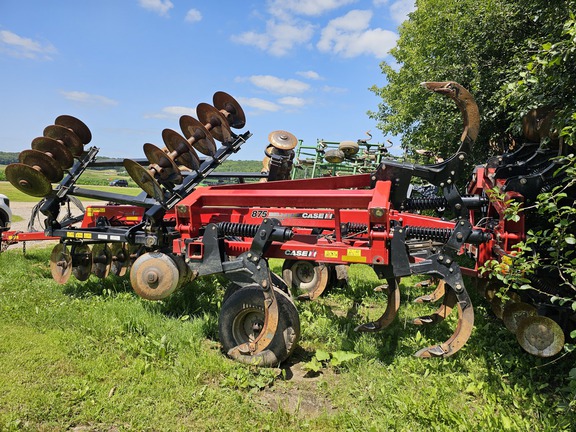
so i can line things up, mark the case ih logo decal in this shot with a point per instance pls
(279, 215)
(300, 253)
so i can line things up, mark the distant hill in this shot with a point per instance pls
(8, 158)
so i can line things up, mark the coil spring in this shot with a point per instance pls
(552, 184)
(424, 203)
(354, 227)
(425, 233)
(237, 229)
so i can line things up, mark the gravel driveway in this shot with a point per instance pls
(24, 210)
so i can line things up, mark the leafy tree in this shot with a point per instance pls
(478, 43)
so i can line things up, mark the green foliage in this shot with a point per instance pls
(549, 245)
(545, 78)
(333, 359)
(250, 378)
(480, 44)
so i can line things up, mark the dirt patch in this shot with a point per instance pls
(301, 395)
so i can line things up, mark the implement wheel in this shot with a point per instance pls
(242, 319)
(307, 278)
(155, 275)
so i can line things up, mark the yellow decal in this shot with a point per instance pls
(330, 254)
(354, 258)
(132, 218)
(354, 252)
(89, 211)
(79, 235)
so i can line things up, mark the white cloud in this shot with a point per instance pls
(292, 101)
(282, 8)
(172, 112)
(277, 85)
(350, 36)
(87, 98)
(193, 16)
(161, 7)
(330, 89)
(310, 75)
(279, 38)
(18, 46)
(259, 104)
(400, 9)
(378, 3)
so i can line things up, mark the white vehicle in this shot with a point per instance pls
(5, 213)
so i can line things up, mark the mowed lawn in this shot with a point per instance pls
(92, 356)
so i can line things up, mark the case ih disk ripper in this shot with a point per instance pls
(176, 231)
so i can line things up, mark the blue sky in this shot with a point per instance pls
(130, 68)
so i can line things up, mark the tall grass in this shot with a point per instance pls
(93, 356)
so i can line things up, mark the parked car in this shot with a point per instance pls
(119, 182)
(5, 213)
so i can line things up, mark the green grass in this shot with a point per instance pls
(94, 356)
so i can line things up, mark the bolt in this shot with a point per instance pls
(461, 157)
(262, 233)
(523, 181)
(373, 178)
(151, 277)
(458, 287)
(449, 181)
(451, 270)
(249, 255)
(441, 258)
(459, 236)
(458, 206)
(441, 184)
(448, 260)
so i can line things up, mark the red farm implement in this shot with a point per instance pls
(176, 231)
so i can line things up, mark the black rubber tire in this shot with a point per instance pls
(334, 156)
(245, 306)
(349, 148)
(277, 283)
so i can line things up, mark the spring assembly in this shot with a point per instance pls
(424, 203)
(434, 203)
(279, 233)
(552, 183)
(425, 233)
(354, 227)
(237, 229)
(351, 228)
